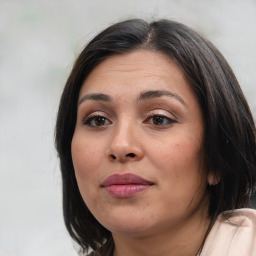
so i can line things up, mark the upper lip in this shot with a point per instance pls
(125, 179)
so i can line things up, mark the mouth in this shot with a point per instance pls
(125, 185)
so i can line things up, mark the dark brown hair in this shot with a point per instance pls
(230, 143)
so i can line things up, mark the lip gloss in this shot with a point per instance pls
(125, 185)
(126, 190)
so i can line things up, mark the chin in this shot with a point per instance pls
(127, 224)
(131, 230)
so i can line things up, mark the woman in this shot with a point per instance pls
(157, 146)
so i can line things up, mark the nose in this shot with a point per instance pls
(124, 145)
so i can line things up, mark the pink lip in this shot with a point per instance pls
(125, 185)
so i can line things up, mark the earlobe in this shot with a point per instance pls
(213, 179)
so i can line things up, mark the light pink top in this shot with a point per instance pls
(235, 236)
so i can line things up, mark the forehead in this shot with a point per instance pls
(136, 71)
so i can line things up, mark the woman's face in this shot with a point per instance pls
(137, 148)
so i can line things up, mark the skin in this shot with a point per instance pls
(170, 217)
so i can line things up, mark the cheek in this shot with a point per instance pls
(181, 153)
(85, 157)
(181, 161)
(183, 175)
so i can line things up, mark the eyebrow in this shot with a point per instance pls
(159, 93)
(95, 96)
(143, 96)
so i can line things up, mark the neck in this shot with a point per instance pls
(182, 240)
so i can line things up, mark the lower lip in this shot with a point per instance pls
(124, 191)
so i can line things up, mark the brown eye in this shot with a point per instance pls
(97, 121)
(160, 120)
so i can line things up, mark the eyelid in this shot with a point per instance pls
(169, 120)
(161, 112)
(95, 114)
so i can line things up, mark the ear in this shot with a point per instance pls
(213, 179)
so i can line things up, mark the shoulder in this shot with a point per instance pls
(234, 233)
(240, 218)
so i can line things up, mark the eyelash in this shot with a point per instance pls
(168, 121)
(92, 118)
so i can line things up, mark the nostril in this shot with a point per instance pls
(122, 158)
(132, 155)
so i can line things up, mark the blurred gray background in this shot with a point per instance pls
(39, 41)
